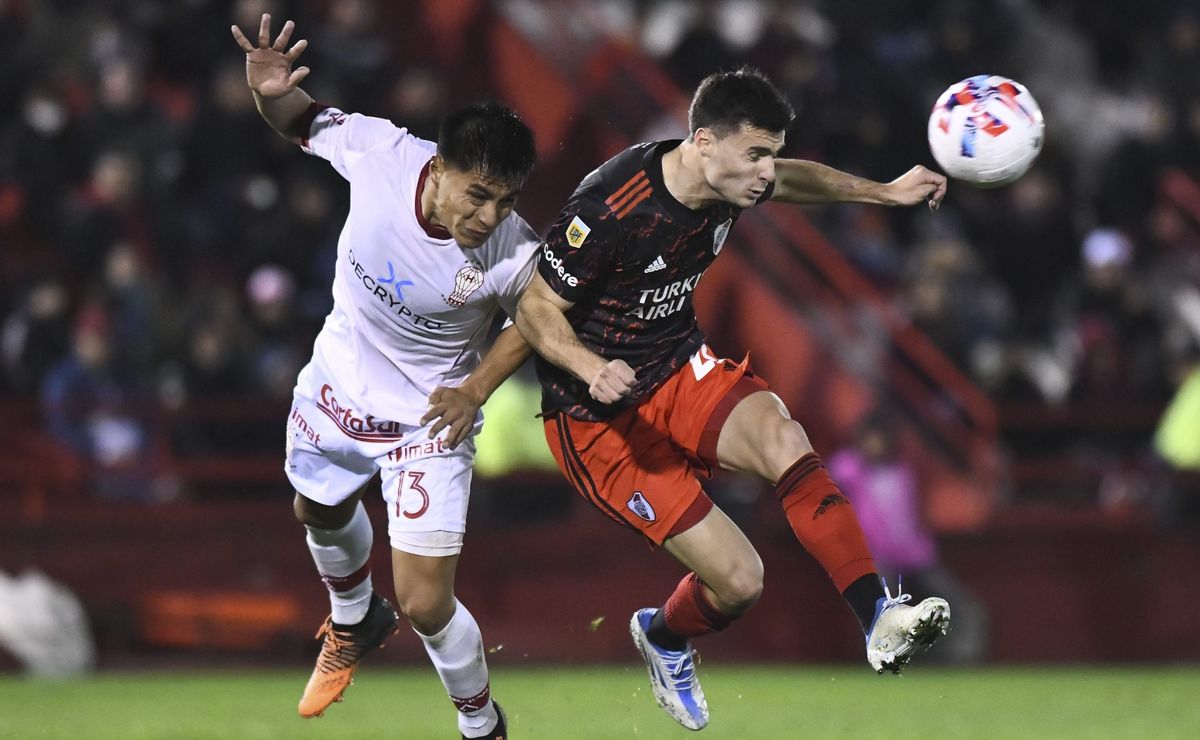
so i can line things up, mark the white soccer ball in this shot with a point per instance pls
(986, 130)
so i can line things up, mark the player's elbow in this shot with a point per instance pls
(523, 320)
(531, 316)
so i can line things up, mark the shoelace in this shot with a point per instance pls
(900, 598)
(681, 671)
(340, 649)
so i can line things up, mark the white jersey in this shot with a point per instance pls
(412, 308)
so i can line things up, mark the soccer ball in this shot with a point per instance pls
(986, 130)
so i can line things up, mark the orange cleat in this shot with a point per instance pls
(342, 651)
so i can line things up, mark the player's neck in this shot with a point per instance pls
(683, 175)
(428, 198)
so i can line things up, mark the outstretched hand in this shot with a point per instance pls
(917, 185)
(268, 67)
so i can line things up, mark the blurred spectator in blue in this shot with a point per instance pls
(133, 299)
(279, 353)
(882, 487)
(93, 412)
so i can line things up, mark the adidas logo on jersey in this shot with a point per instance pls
(658, 264)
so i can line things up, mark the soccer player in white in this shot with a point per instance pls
(430, 253)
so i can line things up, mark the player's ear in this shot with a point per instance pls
(703, 139)
(436, 167)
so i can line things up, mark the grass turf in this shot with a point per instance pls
(615, 702)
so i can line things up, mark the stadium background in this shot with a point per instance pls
(165, 261)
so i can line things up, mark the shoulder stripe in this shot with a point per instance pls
(636, 194)
(628, 207)
(639, 177)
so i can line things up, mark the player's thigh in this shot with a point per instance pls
(427, 488)
(322, 516)
(629, 470)
(719, 553)
(327, 469)
(760, 437)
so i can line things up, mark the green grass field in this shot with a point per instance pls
(614, 702)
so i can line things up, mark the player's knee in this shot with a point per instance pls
(427, 611)
(306, 512)
(319, 516)
(788, 443)
(742, 587)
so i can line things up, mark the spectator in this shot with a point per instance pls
(1112, 334)
(93, 412)
(1177, 439)
(35, 336)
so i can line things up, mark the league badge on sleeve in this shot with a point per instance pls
(577, 231)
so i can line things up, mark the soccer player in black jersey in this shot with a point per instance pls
(636, 405)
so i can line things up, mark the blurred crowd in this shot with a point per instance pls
(161, 244)
(1075, 284)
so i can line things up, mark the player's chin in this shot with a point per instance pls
(470, 239)
(749, 199)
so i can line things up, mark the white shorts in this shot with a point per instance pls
(333, 449)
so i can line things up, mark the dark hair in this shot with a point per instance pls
(489, 138)
(726, 100)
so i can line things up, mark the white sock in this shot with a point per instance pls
(343, 560)
(457, 654)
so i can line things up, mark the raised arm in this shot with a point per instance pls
(542, 321)
(801, 181)
(271, 78)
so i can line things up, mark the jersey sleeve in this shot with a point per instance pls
(581, 248)
(343, 139)
(521, 264)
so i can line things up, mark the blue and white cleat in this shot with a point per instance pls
(899, 632)
(672, 675)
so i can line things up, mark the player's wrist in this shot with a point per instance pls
(474, 392)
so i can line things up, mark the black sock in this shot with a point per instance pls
(660, 635)
(862, 595)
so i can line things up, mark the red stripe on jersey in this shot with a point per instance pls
(637, 194)
(610, 200)
(628, 208)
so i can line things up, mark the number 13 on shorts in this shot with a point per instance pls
(417, 502)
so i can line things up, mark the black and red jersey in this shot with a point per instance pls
(629, 256)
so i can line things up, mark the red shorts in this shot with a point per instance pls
(640, 467)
